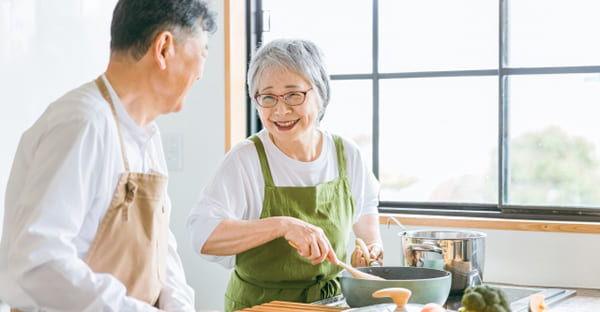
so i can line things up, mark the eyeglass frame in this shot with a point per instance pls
(282, 96)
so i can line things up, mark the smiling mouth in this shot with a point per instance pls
(285, 125)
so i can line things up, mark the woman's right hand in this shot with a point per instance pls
(310, 241)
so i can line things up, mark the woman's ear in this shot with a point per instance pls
(162, 48)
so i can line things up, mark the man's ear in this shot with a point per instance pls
(163, 47)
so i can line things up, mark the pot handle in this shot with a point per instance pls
(392, 218)
(425, 247)
(475, 278)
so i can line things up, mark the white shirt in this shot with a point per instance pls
(237, 189)
(63, 178)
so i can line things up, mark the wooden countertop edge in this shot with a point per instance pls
(492, 224)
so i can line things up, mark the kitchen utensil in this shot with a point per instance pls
(356, 273)
(359, 274)
(459, 252)
(366, 253)
(426, 285)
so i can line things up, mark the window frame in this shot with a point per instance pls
(501, 209)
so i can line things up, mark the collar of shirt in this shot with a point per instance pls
(139, 134)
(142, 137)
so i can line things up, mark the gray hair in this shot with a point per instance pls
(302, 57)
(136, 23)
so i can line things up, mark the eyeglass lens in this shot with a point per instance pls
(291, 98)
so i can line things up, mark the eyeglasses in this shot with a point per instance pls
(292, 98)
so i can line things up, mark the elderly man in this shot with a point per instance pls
(87, 214)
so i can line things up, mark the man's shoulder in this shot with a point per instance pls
(84, 103)
(78, 109)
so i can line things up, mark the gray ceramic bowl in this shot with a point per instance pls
(426, 285)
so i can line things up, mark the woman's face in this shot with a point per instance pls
(284, 122)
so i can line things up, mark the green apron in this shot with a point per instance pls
(275, 270)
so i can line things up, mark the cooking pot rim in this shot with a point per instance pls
(443, 273)
(443, 234)
(358, 292)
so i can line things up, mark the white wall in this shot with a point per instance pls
(41, 59)
(47, 48)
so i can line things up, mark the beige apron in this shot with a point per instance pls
(131, 242)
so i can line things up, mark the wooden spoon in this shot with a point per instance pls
(356, 273)
(359, 274)
(366, 253)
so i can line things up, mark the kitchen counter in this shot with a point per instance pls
(565, 300)
(558, 300)
(584, 300)
(570, 300)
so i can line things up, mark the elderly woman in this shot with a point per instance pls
(292, 184)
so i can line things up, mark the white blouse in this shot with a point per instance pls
(63, 178)
(236, 191)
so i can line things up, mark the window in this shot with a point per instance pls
(463, 107)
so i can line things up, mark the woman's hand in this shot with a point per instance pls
(310, 241)
(375, 252)
(367, 228)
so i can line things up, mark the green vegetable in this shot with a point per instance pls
(484, 299)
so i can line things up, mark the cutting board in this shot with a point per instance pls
(285, 306)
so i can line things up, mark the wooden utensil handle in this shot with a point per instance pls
(366, 253)
(356, 273)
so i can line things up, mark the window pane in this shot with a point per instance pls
(439, 139)
(554, 141)
(553, 33)
(345, 36)
(350, 114)
(434, 35)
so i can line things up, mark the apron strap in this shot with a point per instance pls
(264, 164)
(266, 170)
(154, 168)
(341, 156)
(104, 91)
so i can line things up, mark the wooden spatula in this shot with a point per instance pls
(356, 273)
(366, 253)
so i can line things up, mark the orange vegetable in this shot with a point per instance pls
(433, 307)
(536, 304)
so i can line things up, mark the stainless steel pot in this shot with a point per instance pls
(459, 252)
(426, 285)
